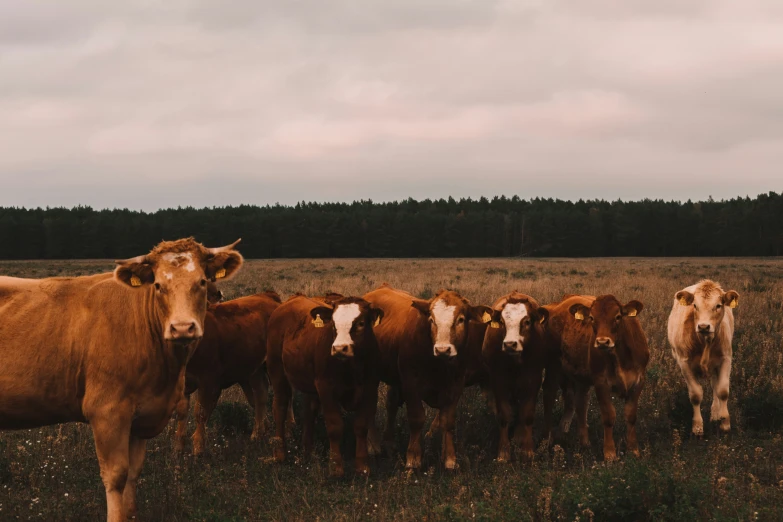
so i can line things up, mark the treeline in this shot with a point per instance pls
(499, 227)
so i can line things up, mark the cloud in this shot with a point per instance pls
(146, 104)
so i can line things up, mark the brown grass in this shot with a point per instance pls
(52, 473)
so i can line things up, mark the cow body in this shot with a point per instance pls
(516, 353)
(329, 352)
(700, 331)
(232, 351)
(423, 358)
(603, 346)
(109, 350)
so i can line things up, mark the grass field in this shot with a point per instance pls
(52, 473)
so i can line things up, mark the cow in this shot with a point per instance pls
(232, 351)
(701, 328)
(109, 350)
(423, 357)
(601, 345)
(329, 352)
(516, 351)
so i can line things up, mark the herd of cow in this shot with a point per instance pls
(123, 351)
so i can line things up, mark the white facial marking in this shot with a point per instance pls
(444, 319)
(177, 260)
(513, 315)
(168, 275)
(343, 317)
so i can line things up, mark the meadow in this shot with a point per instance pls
(52, 473)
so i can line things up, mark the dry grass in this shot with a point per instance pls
(52, 473)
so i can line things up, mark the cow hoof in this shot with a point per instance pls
(610, 457)
(337, 471)
(413, 464)
(725, 427)
(635, 453)
(698, 432)
(451, 465)
(527, 455)
(504, 457)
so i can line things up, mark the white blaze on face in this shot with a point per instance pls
(513, 315)
(177, 260)
(444, 317)
(343, 317)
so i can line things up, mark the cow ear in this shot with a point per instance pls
(632, 308)
(376, 314)
(579, 311)
(223, 262)
(684, 297)
(320, 315)
(136, 271)
(541, 315)
(731, 299)
(480, 313)
(422, 306)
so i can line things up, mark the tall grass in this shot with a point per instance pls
(52, 473)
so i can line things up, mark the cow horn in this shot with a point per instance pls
(137, 260)
(226, 248)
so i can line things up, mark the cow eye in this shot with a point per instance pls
(695, 307)
(432, 321)
(718, 307)
(157, 286)
(203, 282)
(360, 324)
(460, 320)
(618, 317)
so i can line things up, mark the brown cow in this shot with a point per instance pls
(109, 351)
(232, 351)
(423, 356)
(329, 352)
(516, 352)
(701, 327)
(602, 345)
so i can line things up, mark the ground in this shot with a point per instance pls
(52, 473)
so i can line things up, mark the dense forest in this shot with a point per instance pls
(500, 227)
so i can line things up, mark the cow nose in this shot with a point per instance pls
(509, 346)
(603, 342)
(342, 349)
(442, 350)
(183, 331)
(704, 328)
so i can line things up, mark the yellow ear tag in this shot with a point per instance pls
(579, 316)
(318, 322)
(632, 313)
(377, 321)
(542, 319)
(135, 281)
(486, 317)
(220, 274)
(494, 324)
(733, 303)
(683, 301)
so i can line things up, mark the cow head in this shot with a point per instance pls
(709, 303)
(178, 273)
(518, 315)
(449, 315)
(605, 316)
(352, 320)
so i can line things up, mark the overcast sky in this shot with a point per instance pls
(149, 104)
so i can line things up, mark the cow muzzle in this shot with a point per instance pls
(342, 350)
(444, 350)
(704, 329)
(512, 347)
(604, 343)
(183, 332)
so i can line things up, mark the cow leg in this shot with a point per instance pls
(720, 394)
(631, 407)
(334, 426)
(112, 444)
(310, 407)
(281, 405)
(362, 420)
(523, 433)
(434, 425)
(392, 405)
(608, 415)
(551, 385)
(257, 393)
(448, 421)
(695, 393)
(416, 423)
(503, 408)
(183, 408)
(569, 406)
(206, 401)
(581, 401)
(137, 451)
